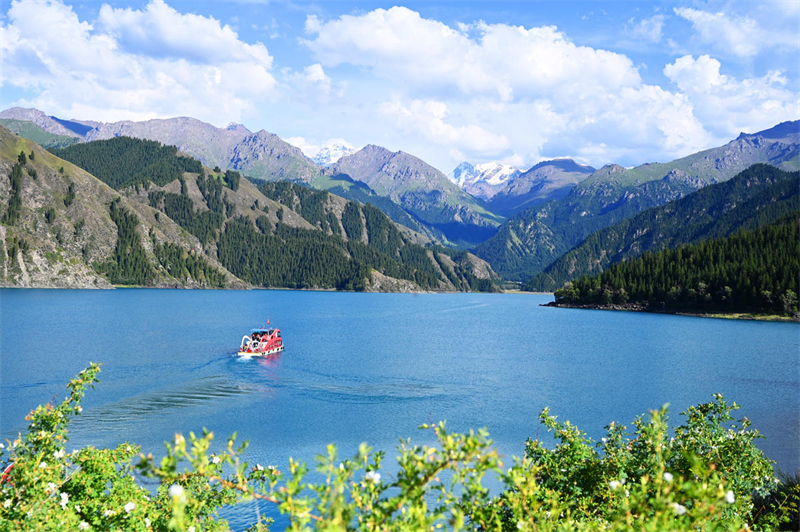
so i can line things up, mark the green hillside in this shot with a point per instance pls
(751, 271)
(31, 131)
(755, 197)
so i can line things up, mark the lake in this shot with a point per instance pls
(373, 367)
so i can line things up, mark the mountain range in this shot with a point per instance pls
(534, 238)
(519, 221)
(755, 197)
(149, 216)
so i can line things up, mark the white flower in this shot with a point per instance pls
(83, 526)
(51, 488)
(679, 509)
(7, 503)
(259, 467)
(730, 498)
(77, 508)
(128, 448)
(147, 522)
(373, 476)
(190, 529)
(668, 477)
(109, 513)
(2, 446)
(614, 484)
(29, 513)
(216, 460)
(175, 491)
(42, 465)
(79, 408)
(130, 506)
(604, 440)
(58, 454)
(64, 501)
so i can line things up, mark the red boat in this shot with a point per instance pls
(261, 342)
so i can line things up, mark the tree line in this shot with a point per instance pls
(751, 271)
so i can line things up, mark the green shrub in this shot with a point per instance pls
(702, 478)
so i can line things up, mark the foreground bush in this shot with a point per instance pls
(702, 477)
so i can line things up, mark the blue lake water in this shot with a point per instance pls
(373, 367)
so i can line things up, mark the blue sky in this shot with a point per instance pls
(516, 82)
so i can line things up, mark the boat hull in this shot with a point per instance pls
(265, 353)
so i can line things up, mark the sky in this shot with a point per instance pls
(448, 81)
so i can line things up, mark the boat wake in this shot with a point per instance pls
(199, 393)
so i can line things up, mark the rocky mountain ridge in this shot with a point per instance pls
(534, 238)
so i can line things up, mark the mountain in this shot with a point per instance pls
(179, 223)
(422, 190)
(332, 152)
(31, 131)
(50, 124)
(751, 271)
(546, 181)
(755, 197)
(534, 238)
(261, 155)
(483, 180)
(346, 187)
(60, 226)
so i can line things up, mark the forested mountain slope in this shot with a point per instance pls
(536, 237)
(422, 190)
(750, 271)
(755, 197)
(305, 239)
(61, 227)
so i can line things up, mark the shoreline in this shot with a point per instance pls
(638, 308)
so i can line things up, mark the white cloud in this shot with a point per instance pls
(463, 89)
(429, 118)
(399, 44)
(648, 29)
(308, 148)
(132, 64)
(313, 85)
(728, 106)
(740, 35)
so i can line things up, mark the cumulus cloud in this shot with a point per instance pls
(740, 35)
(132, 63)
(428, 55)
(312, 85)
(728, 105)
(549, 97)
(429, 118)
(648, 29)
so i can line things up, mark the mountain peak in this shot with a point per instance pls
(332, 151)
(782, 130)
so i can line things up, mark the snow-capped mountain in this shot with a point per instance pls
(484, 180)
(332, 152)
